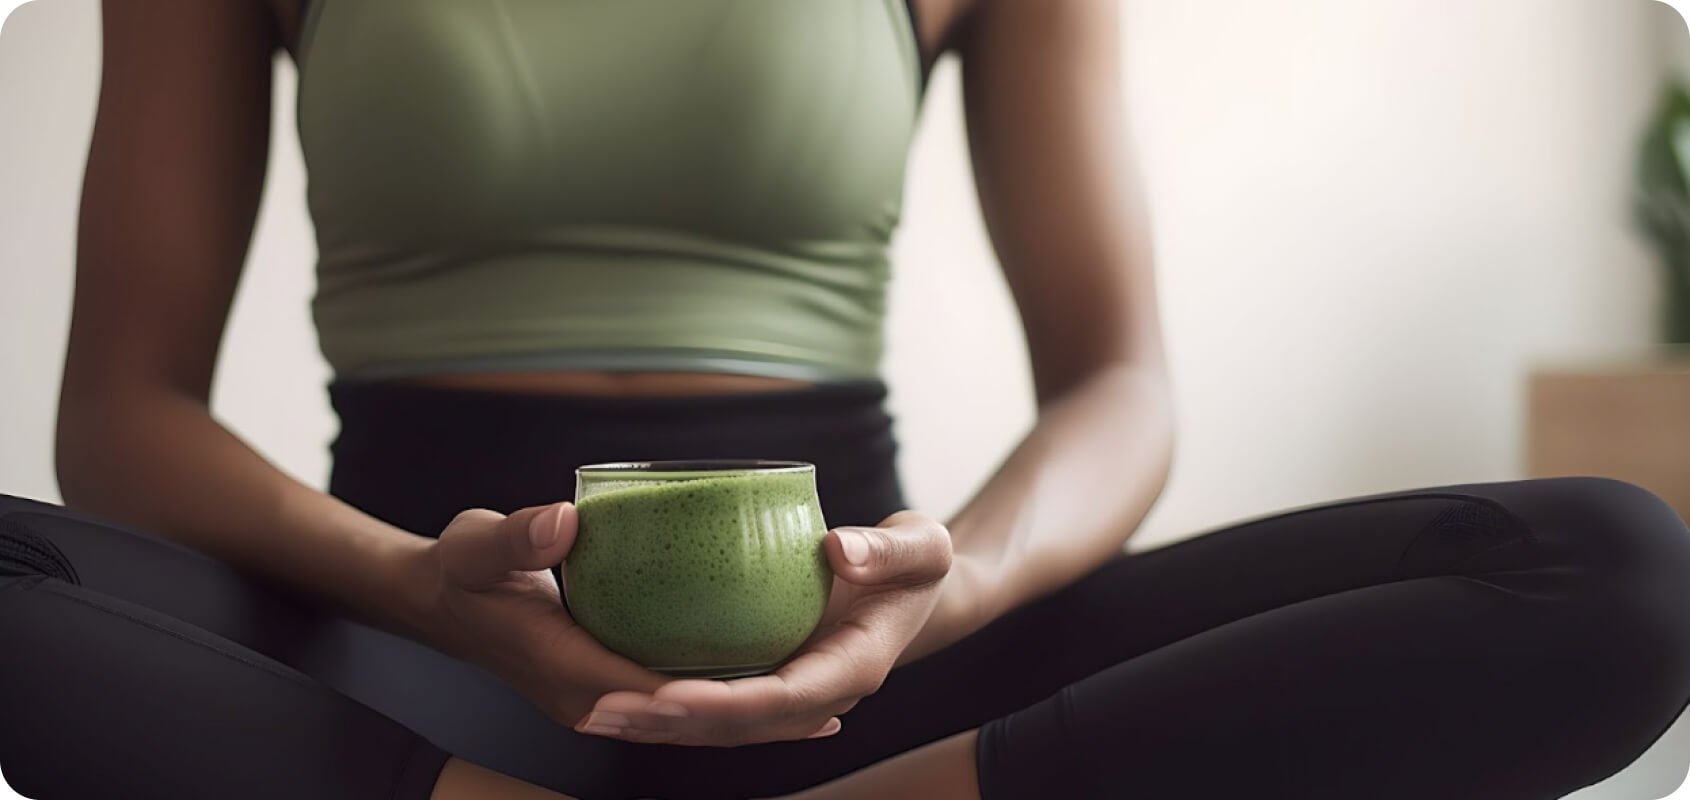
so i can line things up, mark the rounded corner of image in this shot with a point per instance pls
(1677, 6)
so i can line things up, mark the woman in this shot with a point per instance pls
(554, 233)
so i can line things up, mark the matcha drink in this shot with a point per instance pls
(703, 569)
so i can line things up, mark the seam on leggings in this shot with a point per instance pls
(422, 765)
(1341, 504)
(397, 780)
(1487, 584)
(274, 669)
(1519, 526)
(58, 515)
(1195, 539)
(19, 583)
(1525, 530)
(35, 552)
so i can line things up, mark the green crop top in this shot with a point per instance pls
(628, 185)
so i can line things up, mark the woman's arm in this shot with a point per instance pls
(175, 172)
(173, 182)
(1045, 105)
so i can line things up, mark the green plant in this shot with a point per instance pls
(1663, 204)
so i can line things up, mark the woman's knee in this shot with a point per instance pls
(1632, 551)
(1601, 523)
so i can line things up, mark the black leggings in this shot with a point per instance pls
(1514, 640)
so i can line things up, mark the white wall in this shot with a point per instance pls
(1373, 216)
(1371, 219)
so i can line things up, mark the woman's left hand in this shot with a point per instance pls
(886, 582)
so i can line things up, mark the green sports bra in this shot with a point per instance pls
(624, 185)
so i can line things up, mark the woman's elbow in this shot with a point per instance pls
(87, 447)
(74, 459)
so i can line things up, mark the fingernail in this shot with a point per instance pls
(542, 532)
(853, 544)
(832, 727)
(664, 708)
(603, 723)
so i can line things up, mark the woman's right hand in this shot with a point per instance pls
(494, 602)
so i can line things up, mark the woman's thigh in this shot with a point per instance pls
(1137, 603)
(108, 697)
(1457, 626)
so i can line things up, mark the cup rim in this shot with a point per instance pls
(635, 470)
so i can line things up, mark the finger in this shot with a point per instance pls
(841, 662)
(594, 667)
(566, 656)
(745, 711)
(720, 714)
(481, 547)
(613, 725)
(850, 660)
(635, 717)
(907, 549)
(828, 728)
(827, 679)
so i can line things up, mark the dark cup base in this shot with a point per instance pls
(717, 673)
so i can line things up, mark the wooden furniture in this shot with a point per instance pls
(1626, 420)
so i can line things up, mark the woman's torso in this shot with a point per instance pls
(605, 196)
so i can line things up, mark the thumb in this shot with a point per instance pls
(480, 547)
(906, 549)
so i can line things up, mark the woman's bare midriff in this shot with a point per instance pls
(609, 384)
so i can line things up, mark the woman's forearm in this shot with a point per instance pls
(1067, 498)
(159, 461)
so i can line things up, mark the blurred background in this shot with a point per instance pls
(1400, 243)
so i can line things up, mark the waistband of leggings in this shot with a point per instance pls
(352, 399)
